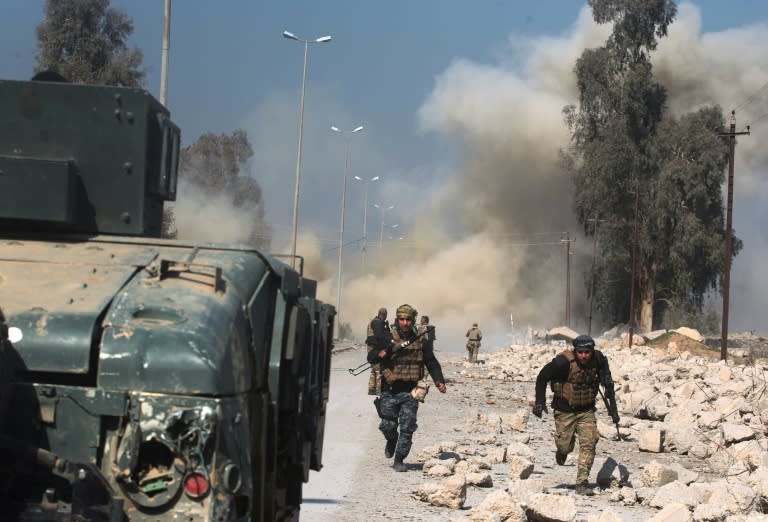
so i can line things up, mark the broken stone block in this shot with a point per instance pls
(674, 512)
(451, 493)
(656, 474)
(481, 480)
(519, 467)
(651, 440)
(501, 504)
(554, 508)
(733, 432)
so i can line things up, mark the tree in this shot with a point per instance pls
(624, 150)
(212, 164)
(213, 161)
(85, 41)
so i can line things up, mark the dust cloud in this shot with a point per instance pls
(486, 244)
(489, 241)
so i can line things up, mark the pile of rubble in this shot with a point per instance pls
(676, 399)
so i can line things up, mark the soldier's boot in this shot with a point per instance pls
(560, 458)
(389, 449)
(399, 465)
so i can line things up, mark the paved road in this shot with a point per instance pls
(350, 434)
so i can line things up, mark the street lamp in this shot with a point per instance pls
(295, 224)
(384, 210)
(365, 217)
(343, 207)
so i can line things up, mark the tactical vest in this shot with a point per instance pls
(580, 389)
(407, 364)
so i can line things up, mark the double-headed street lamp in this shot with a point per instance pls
(365, 217)
(295, 224)
(384, 210)
(343, 207)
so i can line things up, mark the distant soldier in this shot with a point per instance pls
(378, 337)
(474, 336)
(429, 337)
(575, 376)
(402, 366)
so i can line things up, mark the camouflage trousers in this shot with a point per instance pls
(569, 425)
(398, 408)
(473, 347)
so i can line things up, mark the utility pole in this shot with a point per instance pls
(595, 229)
(634, 266)
(567, 242)
(731, 135)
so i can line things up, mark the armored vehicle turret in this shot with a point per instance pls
(147, 378)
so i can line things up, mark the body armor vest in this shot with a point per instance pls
(580, 389)
(407, 365)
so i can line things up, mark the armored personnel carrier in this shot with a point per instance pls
(145, 378)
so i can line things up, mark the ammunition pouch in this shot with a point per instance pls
(419, 392)
(374, 381)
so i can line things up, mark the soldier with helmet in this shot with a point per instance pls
(575, 377)
(474, 336)
(403, 366)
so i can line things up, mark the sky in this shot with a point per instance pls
(461, 107)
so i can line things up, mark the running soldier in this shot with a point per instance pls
(575, 377)
(402, 367)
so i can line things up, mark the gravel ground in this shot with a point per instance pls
(357, 482)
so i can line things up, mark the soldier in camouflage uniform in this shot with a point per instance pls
(474, 336)
(575, 377)
(402, 366)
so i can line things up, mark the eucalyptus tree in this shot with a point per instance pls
(86, 42)
(653, 181)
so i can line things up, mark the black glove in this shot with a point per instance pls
(539, 408)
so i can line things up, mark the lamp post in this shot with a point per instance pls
(384, 210)
(343, 207)
(365, 218)
(295, 221)
(164, 54)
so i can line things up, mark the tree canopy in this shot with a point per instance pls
(85, 41)
(213, 163)
(633, 164)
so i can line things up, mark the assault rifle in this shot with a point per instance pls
(609, 398)
(396, 347)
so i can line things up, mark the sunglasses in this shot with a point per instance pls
(405, 319)
(583, 350)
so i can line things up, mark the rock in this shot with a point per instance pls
(551, 508)
(736, 432)
(656, 474)
(651, 440)
(481, 480)
(519, 467)
(674, 512)
(502, 505)
(690, 333)
(676, 491)
(451, 493)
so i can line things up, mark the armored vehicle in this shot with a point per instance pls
(143, 378)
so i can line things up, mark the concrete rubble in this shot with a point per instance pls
(674, 402)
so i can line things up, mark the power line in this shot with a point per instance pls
(752, 97)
